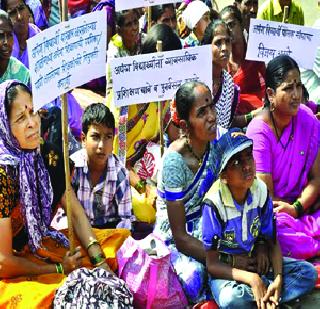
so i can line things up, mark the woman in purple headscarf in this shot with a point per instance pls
(23, 30)
(31, 187)
(19, 15)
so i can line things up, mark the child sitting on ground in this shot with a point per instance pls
(100, 181)
(240, 238)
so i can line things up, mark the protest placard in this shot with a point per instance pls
(126, 4)
(268, 39)
(157, 76)
(66, 56)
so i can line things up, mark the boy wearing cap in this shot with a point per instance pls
(240, 238)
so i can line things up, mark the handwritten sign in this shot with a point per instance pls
(157, 76)
(268, 39)
(66, 56)
(126, 4)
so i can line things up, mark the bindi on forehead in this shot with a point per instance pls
(24, 108)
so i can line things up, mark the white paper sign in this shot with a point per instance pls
(157, 76)
(66, 56)
(268, 39)
(132, 4)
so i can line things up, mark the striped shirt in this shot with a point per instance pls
(108, 202)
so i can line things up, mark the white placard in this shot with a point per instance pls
(132, 4)
(66, 56)
(268, 39)
(157, 76)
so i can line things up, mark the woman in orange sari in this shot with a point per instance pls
(34, 259)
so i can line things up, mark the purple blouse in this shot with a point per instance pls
(289, 160)
(23, 57)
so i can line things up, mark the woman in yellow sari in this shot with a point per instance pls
(34, 258)
(138, 126)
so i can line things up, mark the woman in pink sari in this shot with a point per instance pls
(286, 150)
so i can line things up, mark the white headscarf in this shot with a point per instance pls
(193, 13)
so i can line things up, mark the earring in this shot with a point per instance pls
(272, 107)
(186, 135)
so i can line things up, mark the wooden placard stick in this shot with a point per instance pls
(149, 17)
(160, 108)
(64, 123)
(285, 14)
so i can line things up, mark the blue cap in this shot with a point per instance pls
(230, 144)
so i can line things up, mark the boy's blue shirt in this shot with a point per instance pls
(232, 228)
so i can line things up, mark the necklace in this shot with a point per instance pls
(199, 159)
(277, 134)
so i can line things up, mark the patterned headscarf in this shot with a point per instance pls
(34, 181)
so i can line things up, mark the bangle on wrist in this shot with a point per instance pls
(100, 263)
(92, 243)
(298, 208)
(97, 259)
(224, 258)
(248, 117)
(59, 268)
(233, 261)
(140, 186)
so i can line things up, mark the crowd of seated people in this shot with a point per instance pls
(234, 197)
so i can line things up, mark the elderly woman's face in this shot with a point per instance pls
(203, 117)
(287, 96)
(221, 46)
(24, 123)
(19, 14)
(129, 31)
(6, 39)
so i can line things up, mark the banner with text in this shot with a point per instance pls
(268, 39)
(154, 77)
(66, 56)
(132, 4)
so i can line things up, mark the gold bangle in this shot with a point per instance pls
(92, 242)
